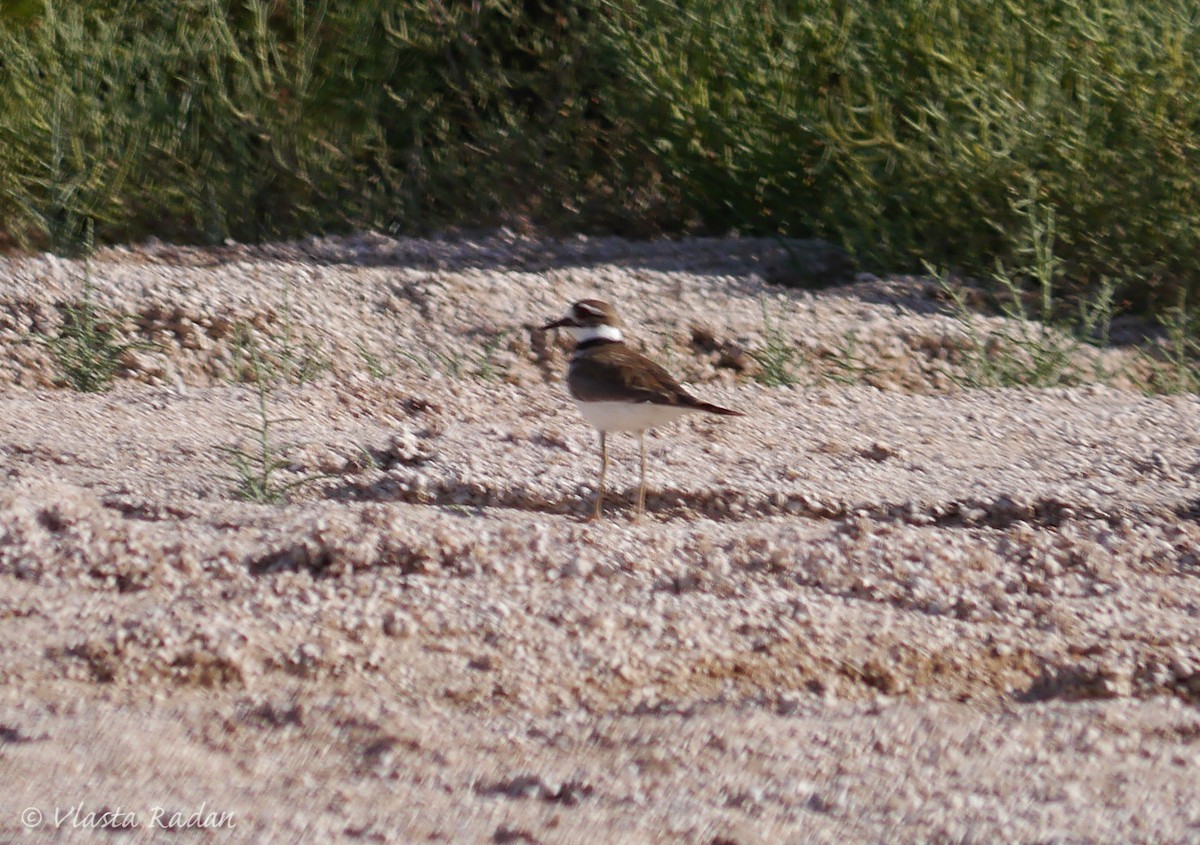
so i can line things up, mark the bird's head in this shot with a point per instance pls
(589, 319)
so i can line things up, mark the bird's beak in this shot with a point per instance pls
(558, 324)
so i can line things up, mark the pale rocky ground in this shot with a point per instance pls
(879, 608)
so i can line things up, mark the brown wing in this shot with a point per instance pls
(616, 373)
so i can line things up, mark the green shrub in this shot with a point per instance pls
(917, 130)
(87, 348)
(201, 120)
(907, 130)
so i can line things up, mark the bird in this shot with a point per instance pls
(616, 388)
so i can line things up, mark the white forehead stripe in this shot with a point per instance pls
(589, 309)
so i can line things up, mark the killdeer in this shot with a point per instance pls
(619, 389)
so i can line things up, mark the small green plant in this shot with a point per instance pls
(257, 468)
(480, 364)
(376, 368)
(425, 365)
(299, 358)
(88, 349)
(289, 356)
(486, 367)
(1094, 322)
(367, 459)
(777, 356)
(1036, 346)
(849, 365)
(453, 365)
(1025, 352)
(1173, 361)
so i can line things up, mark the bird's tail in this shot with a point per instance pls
(710, 408)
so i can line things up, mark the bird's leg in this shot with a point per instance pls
(603, 470)
(642, 489)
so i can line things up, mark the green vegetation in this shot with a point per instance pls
(778, 355)
(906, 130)
(914, 130)
(847, 365)
(257, 468)
(1173, 360)
(286, 357)
(486, 367)
(376, 368)
(87, 348)
(469, 362)
(1038, 347)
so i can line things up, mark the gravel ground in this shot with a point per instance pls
(879, 608)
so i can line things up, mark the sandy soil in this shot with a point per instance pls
(879, 608)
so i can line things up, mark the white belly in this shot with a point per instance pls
(628, 416)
